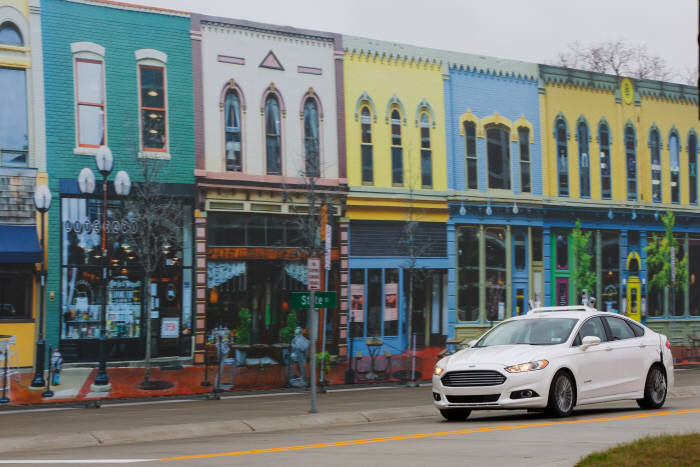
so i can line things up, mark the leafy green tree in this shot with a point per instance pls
(584, 270)
(659, 259)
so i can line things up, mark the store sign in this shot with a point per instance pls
(313, 273)
(89, 227)
(169, 328)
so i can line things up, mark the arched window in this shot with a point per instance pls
(583, 160)
(524, 140)
(498, 151)
(562, 158)
(471, 162)
(396, 149)
(311, 145)
(655, 149)
(366, 146)
(14, 143)
(693, 169)
(273, 135)
(605, 168)
(232, 117)
(631, 158)
(426, 153)
(10, 35)
(675, 165)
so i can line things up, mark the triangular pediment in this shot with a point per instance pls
(271, 61)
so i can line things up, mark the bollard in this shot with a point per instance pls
(4, 399)
(48, 392)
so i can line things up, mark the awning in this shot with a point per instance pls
(19, 244)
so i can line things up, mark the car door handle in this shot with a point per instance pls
(607, 348)
(642, 345)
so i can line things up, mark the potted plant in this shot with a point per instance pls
(242, 342)
(287, 332)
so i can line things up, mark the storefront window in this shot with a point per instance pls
(468, 274)
(562, 251)
(374, 302)
(655, 295)
(357, 302)
(611, 271)
(495, 274)
(232, 229)
(677, 302)
(391, 302)
(694, 276)
(519, 252)
(15, 294)
(537, 244)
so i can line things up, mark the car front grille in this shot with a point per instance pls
(473, 399)
(473, 378)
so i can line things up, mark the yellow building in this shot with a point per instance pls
(618, 153)
(397, 202)
(22, 166)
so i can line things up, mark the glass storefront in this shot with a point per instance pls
(495, 274)
(84, 294)
(694, 276)
(375, 302)
(610, 271)
(468, 274)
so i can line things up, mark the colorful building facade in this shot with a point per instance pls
(132, 93)
(270, 151)
(397, 201)
(22, 167)
(620, 153)
(494, 175)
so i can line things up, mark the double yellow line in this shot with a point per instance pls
(385, 439)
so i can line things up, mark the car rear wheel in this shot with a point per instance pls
(562, 395)
(455, 415)
(654, 389)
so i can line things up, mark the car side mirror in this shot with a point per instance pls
(590, 341)
(472, 342)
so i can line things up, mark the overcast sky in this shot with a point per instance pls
(529, 30)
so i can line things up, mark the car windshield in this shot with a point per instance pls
(547, 331)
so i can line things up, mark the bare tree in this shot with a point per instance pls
(158, 220)
(618, 57)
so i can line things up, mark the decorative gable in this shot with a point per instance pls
(271, 61)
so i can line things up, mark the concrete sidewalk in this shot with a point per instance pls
(171, 419)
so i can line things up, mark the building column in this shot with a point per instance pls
(547, 253)
(343, 286)
(482, 273)
(509, 274)
(200, 239)
(598, 268)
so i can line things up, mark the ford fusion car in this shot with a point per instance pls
(555, 358)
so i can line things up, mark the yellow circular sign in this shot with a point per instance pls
(627, 90)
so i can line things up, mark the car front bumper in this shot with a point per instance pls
(495, 397)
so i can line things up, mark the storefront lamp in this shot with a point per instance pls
(515, 208)
(656, 215)
(104, 160)
(86, 181)
(489, 211)
(462, 209)
(634, 214)
(122, 183)
(610, 214)
(42, 203)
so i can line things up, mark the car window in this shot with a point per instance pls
(592, 327)
(544, 331)
(636, 329)
(619, 328)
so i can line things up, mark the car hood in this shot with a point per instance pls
(495, 355)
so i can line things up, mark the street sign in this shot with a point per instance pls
(322, 299)
(313, 273)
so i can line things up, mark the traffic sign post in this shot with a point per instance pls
(313, 276)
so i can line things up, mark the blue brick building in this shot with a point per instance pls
(120, 76)
(495, 189)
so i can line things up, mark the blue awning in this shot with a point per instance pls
(19, 244)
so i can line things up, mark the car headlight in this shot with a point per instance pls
(438, 370)
(529, 366)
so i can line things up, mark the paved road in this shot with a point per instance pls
(487, 438)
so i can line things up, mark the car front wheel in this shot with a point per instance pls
(455, 415)
(561, 395)
(654, 389)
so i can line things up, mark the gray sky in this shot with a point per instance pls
(529, 30)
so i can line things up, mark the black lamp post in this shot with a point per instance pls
(122, 185)
(42, 203)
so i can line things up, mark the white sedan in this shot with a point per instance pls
(555, 358)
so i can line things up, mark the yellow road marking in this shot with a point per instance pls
(384, 439)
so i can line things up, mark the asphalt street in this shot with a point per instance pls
(488, 438)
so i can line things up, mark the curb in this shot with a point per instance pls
(230, 427)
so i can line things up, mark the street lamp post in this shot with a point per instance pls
(122, 185)
(42, 202)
